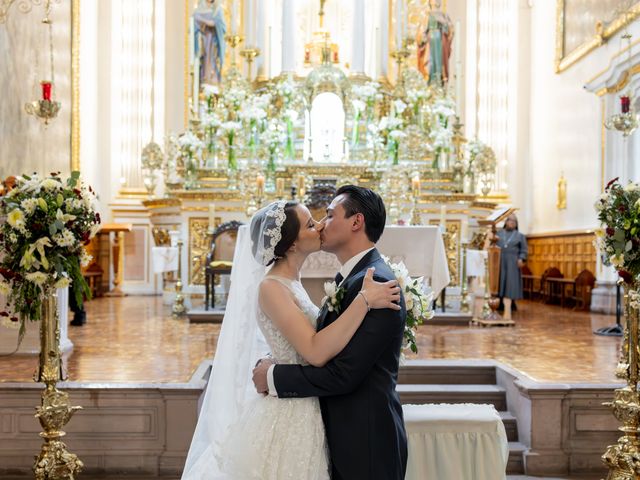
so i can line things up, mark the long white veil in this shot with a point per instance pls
(240, 345)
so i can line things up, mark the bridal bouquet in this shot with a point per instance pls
(619, 238)
(417, 301)
(48, 222)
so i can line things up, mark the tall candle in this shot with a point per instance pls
(234, 16)
(398, 24)
(280, 187)
(260, 184)
(212, 216)
(443, 216)
(415, 185)
(464, 234)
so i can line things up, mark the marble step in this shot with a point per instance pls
(515, 463)
(450, 393)
(417, 372)
(510, 425)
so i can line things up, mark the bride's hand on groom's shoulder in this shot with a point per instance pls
(380, 294)
(260, 375)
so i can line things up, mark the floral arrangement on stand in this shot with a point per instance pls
(418, 302)
(273, 138)
(364, 101)
(48, 223)
(481, 162)
(619, 238)
(441, 129)
(190, 148)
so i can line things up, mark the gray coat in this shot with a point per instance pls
(513, 246)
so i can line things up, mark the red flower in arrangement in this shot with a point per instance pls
(8, 274)
(54, 174)
(610, 231)
(626, 276)
(77, 192)
(98, 218)
(14, 319)
(611, 183)
(622, 208)
(4, 314)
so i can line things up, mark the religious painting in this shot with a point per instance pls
(584, 25)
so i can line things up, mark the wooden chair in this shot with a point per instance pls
(583, 285)
(530, 283)
(93, 276)
(219, 258)
(549, 290)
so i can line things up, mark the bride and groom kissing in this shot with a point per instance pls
(322, 404)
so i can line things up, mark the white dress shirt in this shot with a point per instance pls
(345, 270)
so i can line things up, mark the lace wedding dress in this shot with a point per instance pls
(278, 439)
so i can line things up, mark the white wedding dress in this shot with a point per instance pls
(278, 439)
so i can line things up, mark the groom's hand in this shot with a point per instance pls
(260, 375)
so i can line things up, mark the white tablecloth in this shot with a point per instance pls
(420, 248)
(475, 263)
(164, 259)
(455, 442)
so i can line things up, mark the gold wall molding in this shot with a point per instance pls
(625, 77)
(602, 34)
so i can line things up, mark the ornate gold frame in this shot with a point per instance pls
(602, 34)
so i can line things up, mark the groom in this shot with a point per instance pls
(360, 407)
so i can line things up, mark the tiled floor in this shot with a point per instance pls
(134, 339)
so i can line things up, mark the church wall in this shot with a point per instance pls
(565, 129)
(26, 145)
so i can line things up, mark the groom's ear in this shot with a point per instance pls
(357, 222)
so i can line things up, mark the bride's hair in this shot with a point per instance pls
(288, 234)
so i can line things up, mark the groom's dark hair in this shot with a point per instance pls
(369, 204)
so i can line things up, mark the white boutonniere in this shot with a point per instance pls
(333, 296)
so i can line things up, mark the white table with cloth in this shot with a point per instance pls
(455, 442)
(420, 248)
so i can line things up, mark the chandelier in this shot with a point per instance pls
(627, 120)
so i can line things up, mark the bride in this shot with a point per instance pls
(242, 435)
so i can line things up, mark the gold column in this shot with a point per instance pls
(179, 309)
(54, 462)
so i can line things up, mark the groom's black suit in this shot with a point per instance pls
(360, 407)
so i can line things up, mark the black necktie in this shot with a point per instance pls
(338, 279)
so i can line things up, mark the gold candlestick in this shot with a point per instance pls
(179, 309)
(233, 41)
(464, 300)
(249, 55)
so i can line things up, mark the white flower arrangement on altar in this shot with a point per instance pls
(48, 224)
(234, 97)
(417, 301)
(190, 145)
(390, 132)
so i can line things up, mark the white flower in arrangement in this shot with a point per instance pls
(5, 288)
(50, 184)
(16, 219)
(358, 105)
(634, 299)
(368, 92)
(37, 278)
(397, 134)
(415, 95)
(389, 123)
(63, 282)
(85, 258)
(399, 106)
(291, 115)
(262, 101)
(285, 88)
(211, 120)
(72, 204)
(210, 90)
(444, 107)
(231, 127)
(274, 135)
(234, 97)
(617, 260)
(13, 238)
(441, 138)
(64, 217)
(65, 239)
(189, 143)
(29, 205)
(252, 113)
(631, 187)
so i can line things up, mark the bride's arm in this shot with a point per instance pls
(318, 348)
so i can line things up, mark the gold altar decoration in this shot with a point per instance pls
(54, 462)
(623, 458)
(199, 245)
(451, 239)
(561, 204)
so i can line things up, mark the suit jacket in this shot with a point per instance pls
(361, 410)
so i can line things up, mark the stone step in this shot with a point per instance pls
(449, 393)
(510, 425)
(415, 372)
(515, 463)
